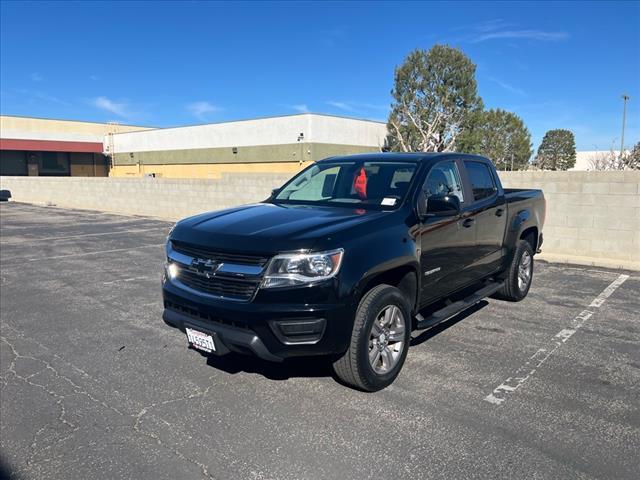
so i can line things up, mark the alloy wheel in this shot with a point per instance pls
(524, 271)
(387, 339)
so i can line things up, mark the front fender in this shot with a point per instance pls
(386, 254)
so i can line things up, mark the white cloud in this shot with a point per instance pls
(202, 109)
(120, 109)
(356, 107)
(36, 77)
(484, 26)
(491, 25)
(538, 35)
(300, 107)
(341, 105)
(507, 86)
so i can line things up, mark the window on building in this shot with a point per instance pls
(13, 162)
(54, 163)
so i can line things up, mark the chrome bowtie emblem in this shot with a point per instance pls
(205, 267)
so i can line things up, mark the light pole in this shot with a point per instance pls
(625, 98)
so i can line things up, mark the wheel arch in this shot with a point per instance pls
(403, 277)
(530, 235)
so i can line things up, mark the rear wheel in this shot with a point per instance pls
(379, 340)
(518, 277)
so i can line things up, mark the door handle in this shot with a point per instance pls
(468, 222)
(499, 212)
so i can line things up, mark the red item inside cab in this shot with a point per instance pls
(360, 183)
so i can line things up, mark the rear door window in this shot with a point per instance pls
(482, 183)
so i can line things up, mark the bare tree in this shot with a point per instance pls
(435, 99)
(612, 160)
(604, 161)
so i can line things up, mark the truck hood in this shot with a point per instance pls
(269, 228)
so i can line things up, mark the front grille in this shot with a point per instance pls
(197, 251)
(219, 285)
(204, 316)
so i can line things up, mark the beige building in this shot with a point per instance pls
(285, 144)
(46, 147)
(276, 144)
(587, 160)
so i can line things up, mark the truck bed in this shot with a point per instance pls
(520, 191)
(517, 194)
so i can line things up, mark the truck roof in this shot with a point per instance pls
(413, 157)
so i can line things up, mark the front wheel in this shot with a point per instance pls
(517, 280)
(379, 340)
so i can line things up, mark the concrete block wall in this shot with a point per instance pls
(155, 197)
(593, 218)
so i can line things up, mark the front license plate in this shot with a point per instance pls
(201, 341)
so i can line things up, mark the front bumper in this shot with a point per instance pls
(275, 325)
(226, 339)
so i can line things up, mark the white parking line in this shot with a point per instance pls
(132, 279)
(94, 253)
(135, 230)
(12, 228)
(523, 373)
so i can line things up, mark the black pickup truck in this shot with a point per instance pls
(350, 256)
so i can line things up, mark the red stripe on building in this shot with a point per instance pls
(50, 146)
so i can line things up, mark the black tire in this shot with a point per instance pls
(513, 290)
(354, 367)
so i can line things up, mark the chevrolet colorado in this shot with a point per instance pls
(350, 256)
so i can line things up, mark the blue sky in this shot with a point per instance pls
(557, 65)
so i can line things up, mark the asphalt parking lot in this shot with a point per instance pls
(95, 385)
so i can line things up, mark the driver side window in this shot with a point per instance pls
(444, 179)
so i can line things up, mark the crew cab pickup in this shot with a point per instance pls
(350, 256)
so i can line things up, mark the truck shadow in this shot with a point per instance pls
(290, 368)
(313, 366)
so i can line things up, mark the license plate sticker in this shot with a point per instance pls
(201, 341)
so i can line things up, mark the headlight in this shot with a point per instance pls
(302, 268)
(172, 270)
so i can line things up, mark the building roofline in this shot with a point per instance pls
(268, 117)
(75, 121)
(150, 128)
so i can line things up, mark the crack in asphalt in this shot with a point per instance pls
(82, 372)
(143, 412)
(78, 390)
(59, 398)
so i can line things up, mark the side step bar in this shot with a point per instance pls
(457, 307)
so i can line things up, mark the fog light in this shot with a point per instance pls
(298, 331)
(172, 271)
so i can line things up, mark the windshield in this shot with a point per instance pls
(362, 184)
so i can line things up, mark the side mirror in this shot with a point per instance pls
(443, 205)
(273, 195)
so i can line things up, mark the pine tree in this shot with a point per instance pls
(504, 138)
(557, 150)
